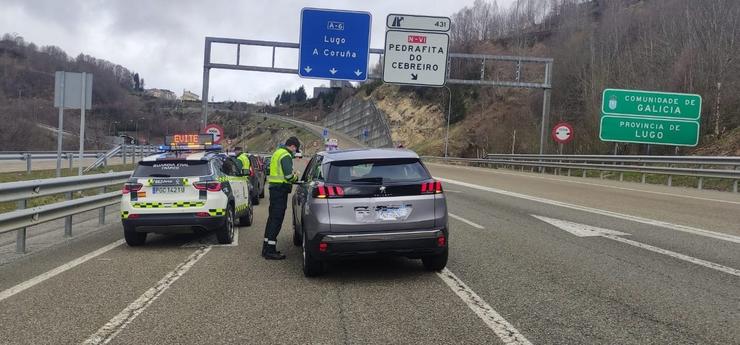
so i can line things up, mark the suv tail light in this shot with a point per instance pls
(251, 171)
(328, 191)
(208, 186)
(131, 187)
(434, 187)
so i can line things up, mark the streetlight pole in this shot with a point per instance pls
(449, 113)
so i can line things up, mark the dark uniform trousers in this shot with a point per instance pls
(278, 205)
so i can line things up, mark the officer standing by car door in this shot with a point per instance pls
(281, 181)
(243, 159)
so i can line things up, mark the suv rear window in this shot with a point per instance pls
(172, 169)
(381, 171)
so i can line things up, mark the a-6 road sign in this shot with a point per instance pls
(643, 130)
(651, 104)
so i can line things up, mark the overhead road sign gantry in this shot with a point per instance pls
(334, 44)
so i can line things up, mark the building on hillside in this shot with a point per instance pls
(339, 84)
(189, 96)
(161, 93)
(318, 91)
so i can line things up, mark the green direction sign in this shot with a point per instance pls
(643, 130)
(649, 103)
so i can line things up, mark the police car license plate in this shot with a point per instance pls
(168, 190)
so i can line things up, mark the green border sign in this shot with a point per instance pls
(642, 130)
(655, 104)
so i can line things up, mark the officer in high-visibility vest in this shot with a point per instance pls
(243, 160)
(281, 181)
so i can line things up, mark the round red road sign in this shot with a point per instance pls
(562, 132)
(216, 130)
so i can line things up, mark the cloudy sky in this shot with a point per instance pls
(163, 40)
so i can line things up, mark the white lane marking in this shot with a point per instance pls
(119, 322)
(598, 185)
(503, 329)
(465, 221)
(56, 271)
(679, 256)
(583, 230)
(653, 222)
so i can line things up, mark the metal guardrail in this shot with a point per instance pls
(696, 166)
(21, 192)
(125, 152)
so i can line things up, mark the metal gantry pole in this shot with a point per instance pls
(206, 78)
(546, 105)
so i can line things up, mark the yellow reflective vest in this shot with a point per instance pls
(277, 175)
(244, 159)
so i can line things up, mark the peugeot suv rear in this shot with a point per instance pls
(372, 201)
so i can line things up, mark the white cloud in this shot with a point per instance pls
(163, 40)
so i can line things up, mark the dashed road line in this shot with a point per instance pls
(502, 328)
(56, 271)
(119, 322)
(475, 225)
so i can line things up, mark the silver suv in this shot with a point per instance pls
(370, 201)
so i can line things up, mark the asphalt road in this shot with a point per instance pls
(656, 266)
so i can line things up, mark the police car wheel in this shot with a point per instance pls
(133, 238)
(225, 234)
(246, 220)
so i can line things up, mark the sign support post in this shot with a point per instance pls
(61, 127)
(83, 101)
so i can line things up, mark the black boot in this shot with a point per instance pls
(270, 253)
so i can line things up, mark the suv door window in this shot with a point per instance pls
(306, 177)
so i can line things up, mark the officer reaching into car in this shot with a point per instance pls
(243, 160)
(281, 181)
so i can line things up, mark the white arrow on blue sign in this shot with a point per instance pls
(334, 44)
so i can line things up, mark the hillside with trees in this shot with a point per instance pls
(668, 45)
(27, 93)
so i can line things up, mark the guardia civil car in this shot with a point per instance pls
(190, 188)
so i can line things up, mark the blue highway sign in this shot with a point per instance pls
(334, 44)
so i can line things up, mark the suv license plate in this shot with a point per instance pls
(168, 190)
(392, 213)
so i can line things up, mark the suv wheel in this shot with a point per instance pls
(246, 220)
(225, 234)
(296, 234)
(133, 238)
(436, 262)
(311, 266)
(255, 200)
(262, 191)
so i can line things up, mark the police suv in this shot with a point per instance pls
(189, 186)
